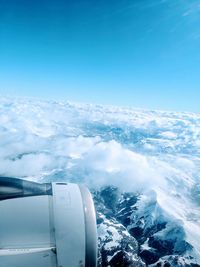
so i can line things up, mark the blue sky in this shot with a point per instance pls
(140, 53)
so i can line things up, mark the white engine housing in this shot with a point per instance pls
(52, 229)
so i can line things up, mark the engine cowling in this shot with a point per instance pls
(46, 225)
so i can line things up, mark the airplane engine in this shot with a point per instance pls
(46, 225)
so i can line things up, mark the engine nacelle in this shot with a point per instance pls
(46, 225)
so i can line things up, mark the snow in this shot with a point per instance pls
(153, 152)
(108, 231)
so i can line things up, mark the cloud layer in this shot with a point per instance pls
(135, 150)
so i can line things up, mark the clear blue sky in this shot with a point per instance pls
(140, 53)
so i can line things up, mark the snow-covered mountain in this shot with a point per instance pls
(142, 166)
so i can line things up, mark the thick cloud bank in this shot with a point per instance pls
(135, 150)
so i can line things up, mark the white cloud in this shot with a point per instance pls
(133, 149)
